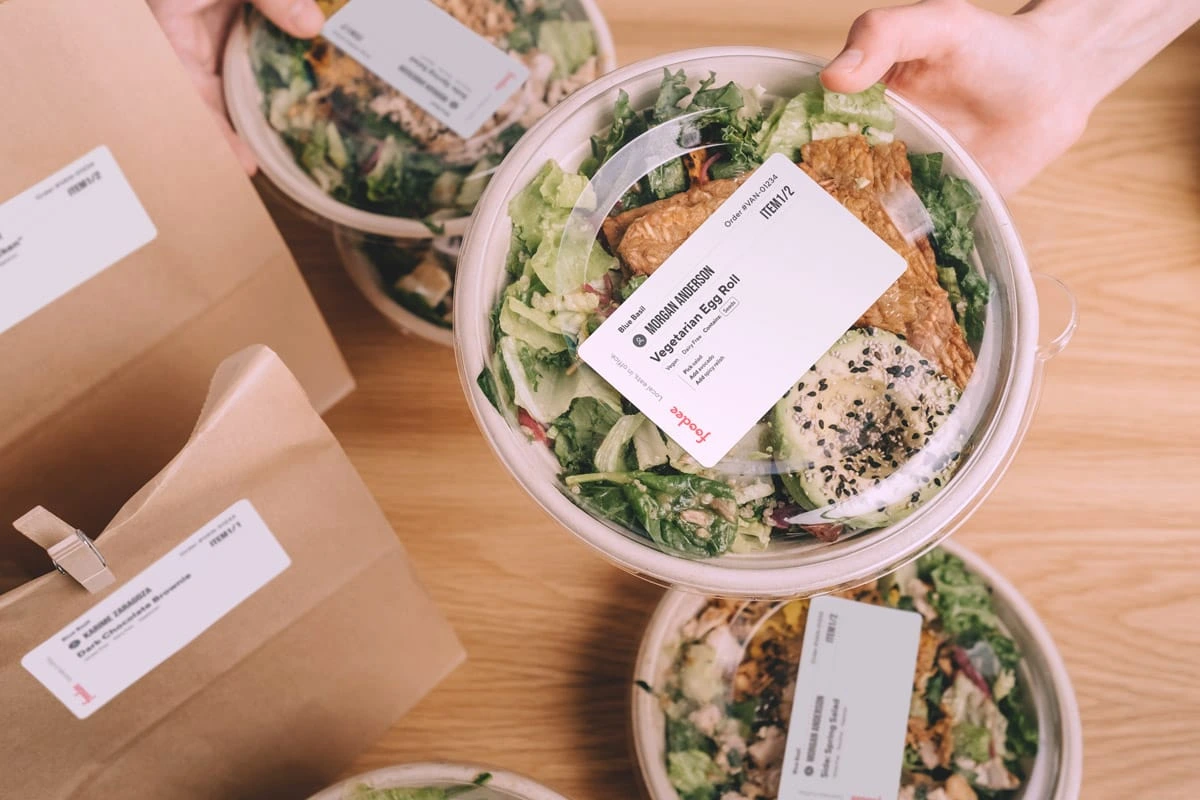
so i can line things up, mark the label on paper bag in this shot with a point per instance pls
(742, 309)
(64, 230)
(853, 694)
(159, 611)
(450, 71)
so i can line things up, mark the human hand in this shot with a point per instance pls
(1003, 85)
(197, 29)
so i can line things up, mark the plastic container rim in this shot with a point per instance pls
(421, 774)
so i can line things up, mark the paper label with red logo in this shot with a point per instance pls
(159, 611)
(853, 694)
(447, 69)
(742, 309)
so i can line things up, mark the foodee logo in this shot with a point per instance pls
(686, 422)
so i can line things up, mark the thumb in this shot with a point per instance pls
(301, 18)
(884, 37)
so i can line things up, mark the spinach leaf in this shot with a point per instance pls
(745, 713)
(682, 735)
(627, 125)
(674, 88)
(1022, 739)
(668, 179)
(607, 502)
(686, 513)
(580, 432)
(487, 385)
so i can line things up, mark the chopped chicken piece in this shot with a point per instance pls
(994, 775)
(933, 743)
(429, 281)
(957, 788)
(768, 750)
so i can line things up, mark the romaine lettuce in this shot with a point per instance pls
(569, 42)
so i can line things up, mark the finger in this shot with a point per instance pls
(209, 86)
(301, 18)
(240, 149)
(884, 37)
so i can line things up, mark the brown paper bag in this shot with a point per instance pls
(282, 691)
(87, 378)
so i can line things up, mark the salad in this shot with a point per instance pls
(863, 411)
(368, 146)
(364, 792)
(727, 693)
(419, 276)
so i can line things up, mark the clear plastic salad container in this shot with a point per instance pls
(347, 149)
(993, 714)
(437, 781)
(409, 281)
(877, 452)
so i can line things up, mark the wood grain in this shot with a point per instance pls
(1096, 522)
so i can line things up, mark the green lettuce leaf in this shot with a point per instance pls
(580, 432)
(953, 203)
(569, 42)
(692, 773)
(866, 108)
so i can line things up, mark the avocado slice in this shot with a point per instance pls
(867, 407)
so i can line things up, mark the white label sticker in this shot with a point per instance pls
(427, 55)
(853, 693)
(749, 302)
(158, 612)
(70, 227)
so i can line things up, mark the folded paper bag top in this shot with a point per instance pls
(134, 257)
(295, 651)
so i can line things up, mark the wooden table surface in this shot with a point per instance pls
(1096, 522)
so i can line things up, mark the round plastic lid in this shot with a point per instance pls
(440, 781)
(930, 378)
(720, 679)
(350, 150)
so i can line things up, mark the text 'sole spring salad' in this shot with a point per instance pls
(862, 412)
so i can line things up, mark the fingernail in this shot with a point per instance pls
(846, 60)
(307, 17)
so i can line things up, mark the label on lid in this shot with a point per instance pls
(453, 73)
(742, 309)
(65, 230)
(853, 694)
(159, 611)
